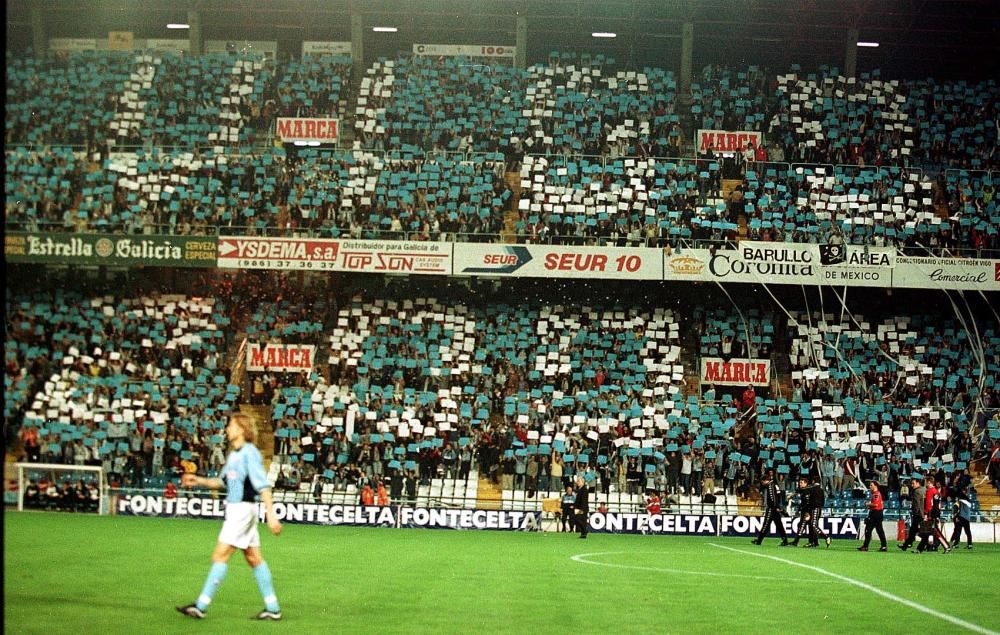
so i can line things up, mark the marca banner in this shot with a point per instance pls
(314, 254)
(726, 141)
(846, 527)
(785, 263)
(323, 130)
(110, 250)
(326, 48)
(346, 515)
(284, 358)
(735, 372)
(474, 50)
(555, 261)
(946, 273)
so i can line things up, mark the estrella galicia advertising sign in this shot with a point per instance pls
(115, 250)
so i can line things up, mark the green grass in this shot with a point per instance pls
(88, 574)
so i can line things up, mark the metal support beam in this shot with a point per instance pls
(687, 50)
(194, 33)
(357, 47)
(40, 39)
(851, 54)
(521, 43)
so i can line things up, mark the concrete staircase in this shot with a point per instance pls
(11, 457)
(261, 416)
(987, 495)
(488, 495)
(728, 185)
(989, 501)
(511, 216)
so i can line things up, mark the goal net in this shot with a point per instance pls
(55, 487)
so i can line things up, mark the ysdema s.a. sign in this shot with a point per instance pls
(326, 254)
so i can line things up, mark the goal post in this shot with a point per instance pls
(59, 473)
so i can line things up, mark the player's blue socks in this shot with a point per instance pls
(266, 586)
(215, 577)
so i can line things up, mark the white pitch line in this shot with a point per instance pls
(582, 558)
(873, 589)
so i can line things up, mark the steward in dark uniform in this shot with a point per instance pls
(774, 505)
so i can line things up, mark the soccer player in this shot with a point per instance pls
(244, 478)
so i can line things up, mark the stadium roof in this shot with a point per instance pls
(917, 38)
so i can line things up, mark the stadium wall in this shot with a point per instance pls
(751, 262)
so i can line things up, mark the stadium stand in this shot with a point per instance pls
(865, 161)
(563, 106)
(107, 373)
(443, 148)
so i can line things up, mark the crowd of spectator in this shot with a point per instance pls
(134, 384)
(514, 392)
(881, 157)
(529, 396)
(334, 193)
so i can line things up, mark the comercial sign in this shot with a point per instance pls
(557, 261)
(726, 141)
(473, 50)
(284, 358)
(947, 273)
(321, 129)
(110, 250)
(735, 371)
(318, 254)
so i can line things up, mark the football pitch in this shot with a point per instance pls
(88, 574)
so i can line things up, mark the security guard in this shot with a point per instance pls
(774, 504)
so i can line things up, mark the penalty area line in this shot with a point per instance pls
(582, 558)
(868, 587)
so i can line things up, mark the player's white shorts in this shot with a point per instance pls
(240, 527)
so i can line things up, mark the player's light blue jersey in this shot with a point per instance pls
(244, 474)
